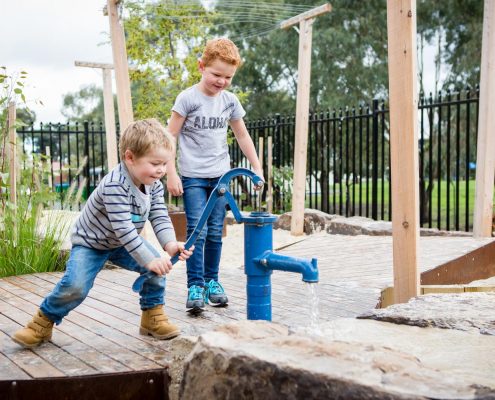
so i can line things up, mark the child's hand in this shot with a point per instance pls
(159, 266)
(259, 172)
(172, 248)
(174, 184)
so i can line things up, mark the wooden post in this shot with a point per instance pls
(110, 131)
(269, 190)
(485, 158)
(124, 101)
(305, 21)
(302, 118)
(49, 161)
(260, 157)
(401, 26)
(12, 153)
(260, 151)
(109, 110)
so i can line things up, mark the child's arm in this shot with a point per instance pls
(246, 144)
(174, 185)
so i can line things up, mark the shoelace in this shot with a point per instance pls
(214, 288)
(195, 292)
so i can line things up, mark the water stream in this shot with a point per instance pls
(314, 308)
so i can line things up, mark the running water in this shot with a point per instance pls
(314, 304)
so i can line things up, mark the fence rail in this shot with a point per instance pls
(348, 160)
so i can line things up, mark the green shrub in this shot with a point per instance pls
(26, 246)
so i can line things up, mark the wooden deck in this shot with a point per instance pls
(101, 336)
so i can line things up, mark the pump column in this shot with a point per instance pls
(258, 238)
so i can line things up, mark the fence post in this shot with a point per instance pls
(86, 154)
(374, 162)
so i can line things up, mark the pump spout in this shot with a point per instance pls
(307, 268)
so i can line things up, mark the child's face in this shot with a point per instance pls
(216, 77)
(149, 168)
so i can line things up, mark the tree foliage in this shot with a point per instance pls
(455, 28)
(86, 104)
(349, 61)
(164, 40)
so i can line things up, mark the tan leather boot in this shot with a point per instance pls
(154, 322)
(37, 331)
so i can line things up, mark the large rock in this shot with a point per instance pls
(355, 359)
(462, 311)
(314, 221)
(366, 226)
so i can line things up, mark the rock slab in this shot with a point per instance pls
(461, 311)
(351, 360)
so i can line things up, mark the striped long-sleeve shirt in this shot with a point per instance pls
(115, 214)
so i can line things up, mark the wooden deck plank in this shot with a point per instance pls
(141, 355)
(27, 360)
(97, 352)
(9, 370)
(102, 334)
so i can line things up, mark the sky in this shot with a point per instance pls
(45, 37)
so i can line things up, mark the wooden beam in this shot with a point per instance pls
(305, 21)
(12, 153)
(302, 118)
(269, 178)
(485, 158)
(88, 64)
(313, 13)
(403, 95)
(109, 112)
(124, 100)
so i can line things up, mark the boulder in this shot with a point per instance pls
(314, 221)
(461, 311)
(351, 359)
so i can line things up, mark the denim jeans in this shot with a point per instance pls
(202, 266)
(81, 269)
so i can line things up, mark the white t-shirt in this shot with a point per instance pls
(203, 149)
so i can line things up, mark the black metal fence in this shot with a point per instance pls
(74, 152)
(348, 159)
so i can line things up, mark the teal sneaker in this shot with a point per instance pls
(195, 297)
(215, 294)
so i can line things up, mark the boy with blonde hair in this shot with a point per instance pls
(200, 118)
(108, 230)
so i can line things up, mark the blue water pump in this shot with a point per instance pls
(259, 258)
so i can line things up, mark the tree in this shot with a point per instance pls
(348, 63)
(85, 105)
(164, 40)
(455, 28)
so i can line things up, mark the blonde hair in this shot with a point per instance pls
(221, 49)
(141, 136)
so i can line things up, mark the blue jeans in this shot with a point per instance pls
(203, 265)
(80, 272)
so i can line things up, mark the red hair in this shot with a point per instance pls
(221, 49)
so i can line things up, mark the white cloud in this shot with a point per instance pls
(45, 38)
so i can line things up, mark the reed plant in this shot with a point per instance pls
(28, 242)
